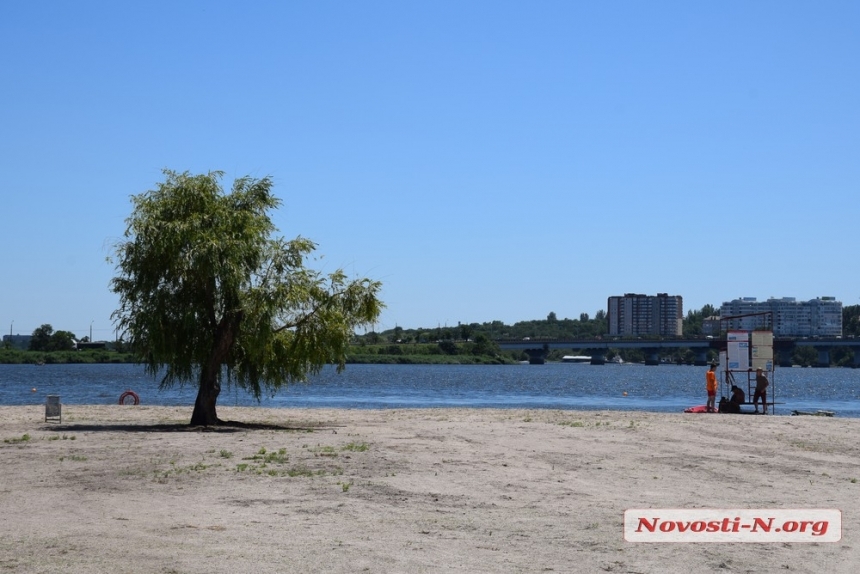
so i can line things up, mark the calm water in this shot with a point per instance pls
(665, 388)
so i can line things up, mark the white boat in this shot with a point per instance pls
(576, 359)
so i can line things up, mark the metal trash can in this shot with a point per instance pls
(53, 408)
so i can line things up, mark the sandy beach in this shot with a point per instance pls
(132, 489)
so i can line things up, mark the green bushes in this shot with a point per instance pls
(18, 357)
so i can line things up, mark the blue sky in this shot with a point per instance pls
(484, 160)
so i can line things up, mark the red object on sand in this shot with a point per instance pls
(699, 409)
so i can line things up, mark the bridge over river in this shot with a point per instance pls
(537, 348)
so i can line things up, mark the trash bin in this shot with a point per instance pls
(53, 408)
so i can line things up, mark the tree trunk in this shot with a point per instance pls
(207, 396)
(210, 374)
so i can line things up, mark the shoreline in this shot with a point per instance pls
(134, 489)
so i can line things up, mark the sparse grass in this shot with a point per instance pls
(356, 447)
(226, 454)
(810, 447)
(265, 457)
(595, 424)
(302, 470)
(58, 437)
(74, 457)
(162, 475)
(260, 463)
(24, 438)
(323, 451)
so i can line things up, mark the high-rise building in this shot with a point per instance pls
(635, 315)
(786, 316)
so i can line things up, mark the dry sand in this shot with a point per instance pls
(130, 489)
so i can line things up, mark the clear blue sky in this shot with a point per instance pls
(484, 160)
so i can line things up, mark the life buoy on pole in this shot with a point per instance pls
(129, 398)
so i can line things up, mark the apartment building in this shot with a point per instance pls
(787, 317)
(633, 314)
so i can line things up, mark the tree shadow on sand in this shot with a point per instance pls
(223, 427)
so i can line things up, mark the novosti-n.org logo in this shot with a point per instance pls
(732, 525)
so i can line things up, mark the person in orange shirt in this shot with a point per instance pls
(711, 386)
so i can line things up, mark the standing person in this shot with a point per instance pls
(711, 386)
(761, 384)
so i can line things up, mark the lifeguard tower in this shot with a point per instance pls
(746, 352)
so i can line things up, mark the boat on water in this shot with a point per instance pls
(576, 359)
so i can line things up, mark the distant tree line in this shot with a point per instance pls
(551, 328)
(47, 346)
(463, 343)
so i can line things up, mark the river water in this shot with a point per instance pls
(664, 388)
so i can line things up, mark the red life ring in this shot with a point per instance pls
(135, 400)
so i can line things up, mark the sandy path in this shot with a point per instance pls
(129, 489)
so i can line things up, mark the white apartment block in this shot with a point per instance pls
(633, 314)
(786, 316)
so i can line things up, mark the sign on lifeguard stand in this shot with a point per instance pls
(53, 408)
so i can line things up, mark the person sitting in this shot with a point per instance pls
(733, 405)
(738, 396)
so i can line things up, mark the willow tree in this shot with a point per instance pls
(207, 293)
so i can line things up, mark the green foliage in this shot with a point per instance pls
(45, 339)
(16, 357)
(851, 321)
(448, 347)
(804, 356)
(842, 356)
(203, 284)
(694, 320)
(484, 333)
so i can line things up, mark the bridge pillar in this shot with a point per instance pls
(652, 356)
(598, 358)
(701, 359)
(823, 356)
(536, 356)
(784, 357)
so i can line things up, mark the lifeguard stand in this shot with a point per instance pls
(746, 352)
